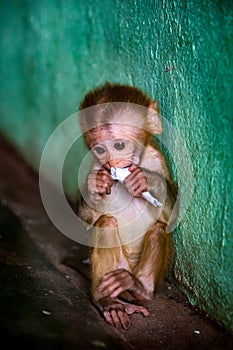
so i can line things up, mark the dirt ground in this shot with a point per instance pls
(44, 293)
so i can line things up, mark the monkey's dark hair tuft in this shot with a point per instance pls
(114, 93)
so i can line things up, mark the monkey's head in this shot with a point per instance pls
(117, 122)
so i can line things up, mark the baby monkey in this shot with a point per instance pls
(131, 238)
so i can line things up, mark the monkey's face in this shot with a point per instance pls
(116, 145)
(117, 153)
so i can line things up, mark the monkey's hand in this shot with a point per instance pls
(121, 281)
(99, 184)
(136, 182)
(116, 312)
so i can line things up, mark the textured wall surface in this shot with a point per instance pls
(181, 53)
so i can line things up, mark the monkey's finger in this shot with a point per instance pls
(137, 192)
(114, 287)
(104, 171)
(118, 291)
(124, 284)
(113, 273)
(130, 309)
(133, 167)
(135, 185)
(115, 318)
(137, 173)
(113, 276)
(95, 182)
(108, 191)
(108, 318)
(100, 183)
(101, 189)
(103, 181)
(105, 176)
(137, 178)
(108, 287)
(124, 319)
(142, 310)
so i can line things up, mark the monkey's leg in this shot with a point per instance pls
(155, 258)
(103, 261)
(138, 284)
(106, 254)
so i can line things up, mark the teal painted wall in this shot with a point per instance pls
(181, 53)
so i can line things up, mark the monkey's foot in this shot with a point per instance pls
(117, 312)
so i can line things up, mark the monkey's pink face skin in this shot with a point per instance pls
(115, 145)
(115, 153)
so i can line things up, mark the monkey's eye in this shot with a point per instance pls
(119, 145)
(99, 150)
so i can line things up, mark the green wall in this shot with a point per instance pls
(181, 53)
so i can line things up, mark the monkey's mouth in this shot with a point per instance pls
(118, 163)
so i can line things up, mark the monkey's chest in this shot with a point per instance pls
(134, 215)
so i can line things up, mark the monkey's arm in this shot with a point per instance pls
(161, 186)
(167, 192)
(150, 185)
(85, 212)
(98, 184)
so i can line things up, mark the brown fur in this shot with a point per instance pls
(127, 264)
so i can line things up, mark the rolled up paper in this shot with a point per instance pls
(121, 173)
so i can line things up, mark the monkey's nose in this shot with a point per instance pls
(113, 163)
(119, 163)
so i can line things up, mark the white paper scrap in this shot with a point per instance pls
(121, 173)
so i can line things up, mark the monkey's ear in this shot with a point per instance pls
(154, 120)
